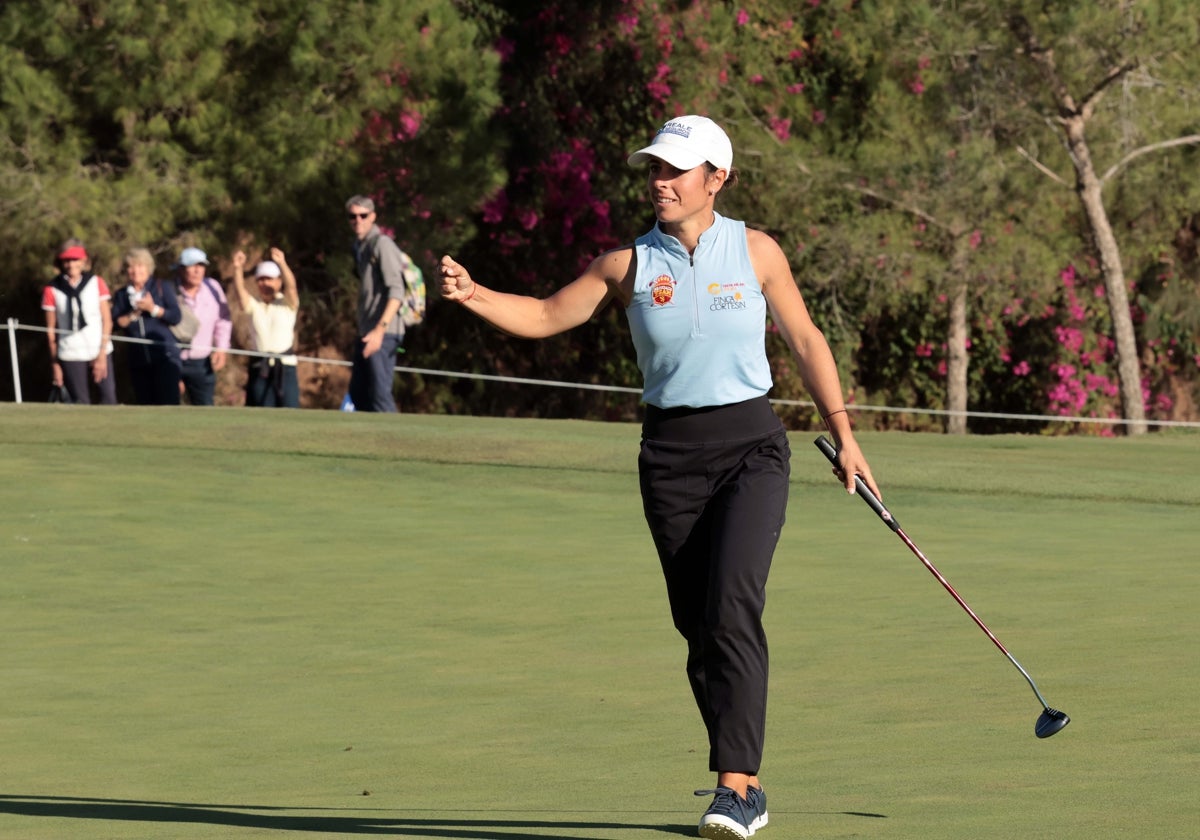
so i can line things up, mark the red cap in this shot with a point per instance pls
(75, 252)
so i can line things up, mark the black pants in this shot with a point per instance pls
(714, 489)
(272, 384)
(199, 380)
(77, 376)
(156, 382)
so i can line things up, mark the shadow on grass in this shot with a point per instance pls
(354, 822)
(359, 822)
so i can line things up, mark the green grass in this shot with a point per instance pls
(243, 623)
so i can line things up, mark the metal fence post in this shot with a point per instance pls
(12, 352)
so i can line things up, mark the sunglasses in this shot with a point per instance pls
(353, 216)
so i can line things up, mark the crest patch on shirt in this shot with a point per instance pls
(662, 290)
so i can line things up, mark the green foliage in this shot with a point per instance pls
(896, 150)
(224, 122)
(575, 102)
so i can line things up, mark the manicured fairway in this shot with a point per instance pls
(250, 623)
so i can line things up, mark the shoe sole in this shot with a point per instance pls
(712, 831)
(717, 827)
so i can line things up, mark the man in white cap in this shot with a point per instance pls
(205, 353)
(271, 380)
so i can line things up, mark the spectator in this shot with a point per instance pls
(146, 311)
(380, 265)
(272, 380)
(206, 354)
(78, 311)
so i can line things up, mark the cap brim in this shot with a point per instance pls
(677, 156)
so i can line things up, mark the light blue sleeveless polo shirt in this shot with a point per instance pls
(699, 321)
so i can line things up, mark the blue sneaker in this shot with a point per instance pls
(757, 799)
(729, 817)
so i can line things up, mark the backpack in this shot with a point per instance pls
(189, 324)
(412, 310)
(412, 306)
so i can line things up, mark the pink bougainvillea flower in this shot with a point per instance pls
(495, 208)
(743, 17)
(410, 124)
(528, 219)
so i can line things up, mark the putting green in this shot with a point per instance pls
(251, 623)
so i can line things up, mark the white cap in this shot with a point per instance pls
(267, 268)
(190, 257)
(687, 142)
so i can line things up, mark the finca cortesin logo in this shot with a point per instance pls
(726, 297)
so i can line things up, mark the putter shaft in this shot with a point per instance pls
(884, 514)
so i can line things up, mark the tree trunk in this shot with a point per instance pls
(1073, 117)
(958, 361)
(1088, 186)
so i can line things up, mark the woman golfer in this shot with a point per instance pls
(714, 459)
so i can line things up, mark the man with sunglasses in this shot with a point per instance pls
(380, 265)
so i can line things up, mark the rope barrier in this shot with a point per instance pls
(13, 326)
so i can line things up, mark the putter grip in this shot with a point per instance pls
(860, 486)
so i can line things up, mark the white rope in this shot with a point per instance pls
(1002, 416)
(587, 386)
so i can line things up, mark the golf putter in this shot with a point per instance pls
(1051, 720)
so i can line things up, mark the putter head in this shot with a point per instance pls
(1049, 722)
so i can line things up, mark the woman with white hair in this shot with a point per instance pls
(146, 309)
